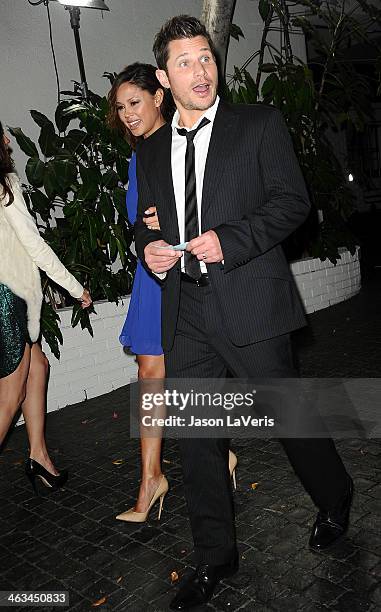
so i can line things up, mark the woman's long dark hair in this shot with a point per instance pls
(6, 166)
(143, 76)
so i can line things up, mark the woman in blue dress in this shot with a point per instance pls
(138, 107)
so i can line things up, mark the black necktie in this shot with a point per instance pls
(191, 263)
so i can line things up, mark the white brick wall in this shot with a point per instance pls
(322, 284)
(92, 366)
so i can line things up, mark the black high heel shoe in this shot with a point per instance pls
(34, 470)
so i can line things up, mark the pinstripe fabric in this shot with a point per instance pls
(206, 476)
(253, 197)
(202, 350)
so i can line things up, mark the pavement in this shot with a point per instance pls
(69, 540)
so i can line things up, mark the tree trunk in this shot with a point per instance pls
(217, 16)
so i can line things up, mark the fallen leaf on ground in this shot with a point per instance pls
(174, 576)
(118, 461)
(254, 485)
(99, 602)
(118, 580)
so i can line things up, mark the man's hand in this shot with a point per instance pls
(151, 219)
(160, 260)
(206, 247)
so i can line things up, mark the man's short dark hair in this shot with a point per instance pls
(176, 28)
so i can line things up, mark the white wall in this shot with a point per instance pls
(322, 284)
(27, 77)
(121, 36)
(88, 366)
(246, 16)
(92, 366)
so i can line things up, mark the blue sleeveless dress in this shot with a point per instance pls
(141, 331)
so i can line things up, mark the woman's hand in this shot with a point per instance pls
(85, 299)
(152, 222)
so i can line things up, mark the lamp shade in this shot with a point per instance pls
(94, 4)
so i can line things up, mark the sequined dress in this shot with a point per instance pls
(23, 252)
(13, 330)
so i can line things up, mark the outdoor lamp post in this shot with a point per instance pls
(73, 6)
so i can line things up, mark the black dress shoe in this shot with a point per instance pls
(330, 526)
(199, 587)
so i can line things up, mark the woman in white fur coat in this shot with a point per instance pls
(23, 365)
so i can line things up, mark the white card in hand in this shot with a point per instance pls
(180, 247)
(177, 247)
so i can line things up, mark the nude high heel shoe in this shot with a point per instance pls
(232, 465)
(130, 516)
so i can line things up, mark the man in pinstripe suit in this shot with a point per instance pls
(236, 314)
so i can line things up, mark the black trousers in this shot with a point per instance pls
(202, 349)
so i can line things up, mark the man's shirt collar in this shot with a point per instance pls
(210, 114)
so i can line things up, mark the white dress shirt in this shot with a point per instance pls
(179, 146)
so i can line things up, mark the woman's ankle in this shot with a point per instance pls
(39, 453)
(42, 457)
(152, 475)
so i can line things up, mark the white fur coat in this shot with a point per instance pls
(22, 252)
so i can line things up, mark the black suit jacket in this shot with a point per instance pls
(254, 196)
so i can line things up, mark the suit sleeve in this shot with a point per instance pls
(286, 204)
(39, 251)
(143, 235)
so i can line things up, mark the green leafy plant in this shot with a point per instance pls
(76, 188)
(316, 101)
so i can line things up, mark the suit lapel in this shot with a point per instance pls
(223, 132)
(224, 127)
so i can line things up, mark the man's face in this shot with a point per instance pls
(191, 75)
